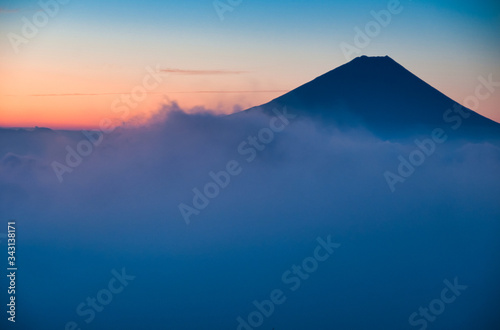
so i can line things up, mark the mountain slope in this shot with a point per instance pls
(378, 94)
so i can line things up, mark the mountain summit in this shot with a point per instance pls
(381, 95)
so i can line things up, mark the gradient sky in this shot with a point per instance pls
(260, 50)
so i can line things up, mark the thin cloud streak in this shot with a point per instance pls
(201, 72)
(232, 92)
(152, 93)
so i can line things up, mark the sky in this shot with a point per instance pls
(75, 68)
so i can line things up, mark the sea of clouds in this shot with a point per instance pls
(119, 207)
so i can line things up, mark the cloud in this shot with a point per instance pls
(156, 93)
(202, 72)
(84, 94)
(119, 208)
(232, 92)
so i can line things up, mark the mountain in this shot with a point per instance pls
(382, 96)
(33, 141)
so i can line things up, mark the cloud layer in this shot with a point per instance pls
(120, 208)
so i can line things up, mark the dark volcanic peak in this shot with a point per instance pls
(371, 59)
(379, 94)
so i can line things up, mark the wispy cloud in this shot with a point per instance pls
(155, 93)
(83, 94)
(231, 92)
(201, 72)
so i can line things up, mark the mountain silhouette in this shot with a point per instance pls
(382, 96)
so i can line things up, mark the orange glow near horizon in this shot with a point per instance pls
(51, 94)
(86, 111)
